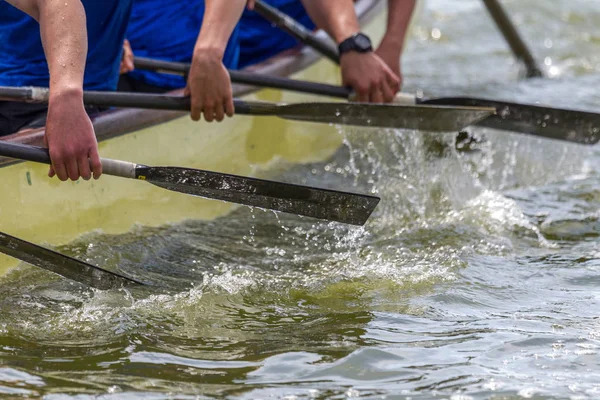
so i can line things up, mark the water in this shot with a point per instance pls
(477, 278)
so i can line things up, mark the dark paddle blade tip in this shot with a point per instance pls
(359, 210)
(64, 265)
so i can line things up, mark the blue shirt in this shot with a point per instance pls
(260, 39)
(168, 30)
(22, 60)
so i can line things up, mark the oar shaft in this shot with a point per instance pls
(135, 100)
(298, 31)
(41, 155)
(249, 78)
(512, 37)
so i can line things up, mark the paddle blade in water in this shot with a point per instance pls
(63, 265)
(318, 203)
(553, 123)
(414, 117)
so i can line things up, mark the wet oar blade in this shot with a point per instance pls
(63, 265)
(553, 123)
(417, 117)
(325, 204)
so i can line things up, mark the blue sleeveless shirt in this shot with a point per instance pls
(168, 30)
(259, 39)
(22, 60)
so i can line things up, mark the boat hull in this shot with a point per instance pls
(42, 210)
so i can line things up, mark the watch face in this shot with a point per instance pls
(363, 42)
(358, 42)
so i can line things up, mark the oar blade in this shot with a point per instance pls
(414, 117)
(63, 265)
(553, 123)
(331, 205)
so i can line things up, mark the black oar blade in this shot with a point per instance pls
(419, 117)
(553, 123)
(63, 265)
(325, 204)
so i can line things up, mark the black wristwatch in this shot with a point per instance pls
(358, 42)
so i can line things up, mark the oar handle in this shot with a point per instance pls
(248, 78)
(41, 155)
(298, 31)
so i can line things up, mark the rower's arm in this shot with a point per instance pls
(399, 15)
(69, 132)
(209, 85)
(64, 36)
(365, 72)
(220, 19)
(336, 17)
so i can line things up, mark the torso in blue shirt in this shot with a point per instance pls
(168, 30)
(22, 60)
(260, 39)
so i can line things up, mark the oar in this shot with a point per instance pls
(562, 124)
(248, 78)
(512, 37)
(296, 30)
(548, 122)
(416, 117)
(309, 38)
(331, 205)
(63, 265)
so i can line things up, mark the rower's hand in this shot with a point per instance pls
(209, 86)
(127, 64)
(70, 139)
(391, 56)
(369, 76)
(251, 4)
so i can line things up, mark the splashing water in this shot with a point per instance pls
(475, 278)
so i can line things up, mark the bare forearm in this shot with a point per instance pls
(399, 15)
(336, 17)
(64, 37)
(220, 19)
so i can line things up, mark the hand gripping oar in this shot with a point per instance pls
(331, 205)
(63, 265)
(426, 118)
(570, 125)
(309, 38)
(555, 123)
